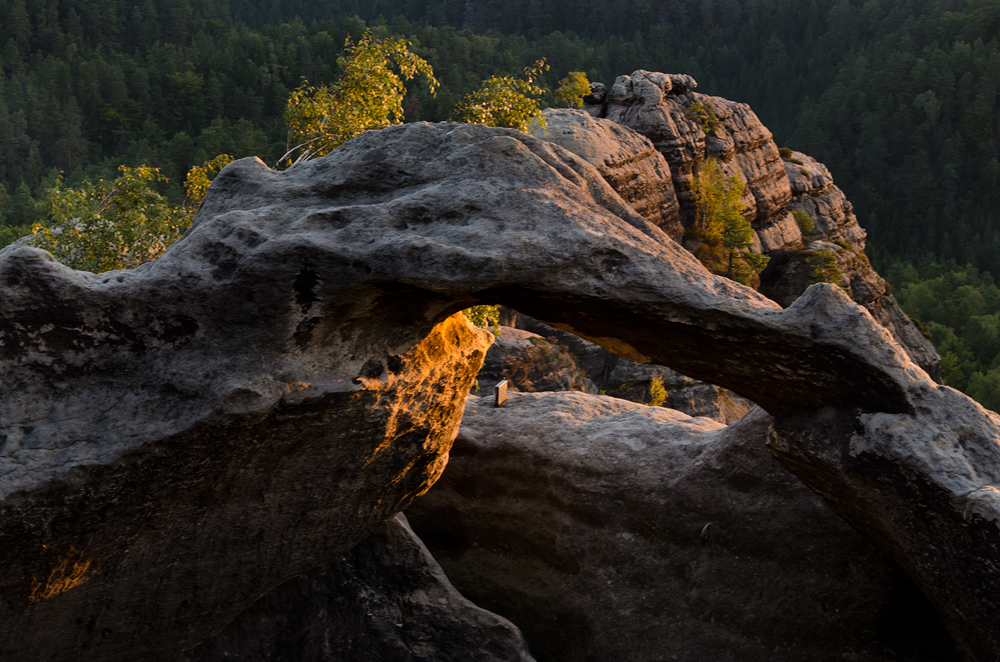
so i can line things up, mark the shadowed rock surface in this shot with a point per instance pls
(385, 599)
(620, 378)
(924, 487)
(580, 518)
(190, 434)
(530, 362)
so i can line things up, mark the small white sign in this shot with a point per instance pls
(501, 392)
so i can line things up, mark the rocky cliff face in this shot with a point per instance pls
(181, 438)
(627, 160)
(836, 232)
(687, 128)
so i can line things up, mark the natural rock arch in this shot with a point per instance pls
(192, 432)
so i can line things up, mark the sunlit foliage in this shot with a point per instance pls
(722, 234)
(485, 316)
(657, 391)
(572, 89)
(122, 223)
(506, 101)
(369, 95)
(199, 177)
(111, 225)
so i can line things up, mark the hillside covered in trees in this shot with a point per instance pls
(898, 97)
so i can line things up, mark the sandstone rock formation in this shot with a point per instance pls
(923, 486)
(181, 438)
(385, 599)
(530, 362)
(687, 127)
(663, 108)
(627, 160)
(837, 233)
(583, 519)
(626, 379)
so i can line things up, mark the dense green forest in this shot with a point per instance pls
(959, 308)
(898, 97)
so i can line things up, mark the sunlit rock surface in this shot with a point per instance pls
(610, 530)
(179, 439)
(626, 159)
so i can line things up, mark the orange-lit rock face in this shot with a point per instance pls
(189, 527)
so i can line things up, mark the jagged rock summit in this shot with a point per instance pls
(648, 111)
(181, 438)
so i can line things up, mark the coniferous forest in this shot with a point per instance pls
(899, 98)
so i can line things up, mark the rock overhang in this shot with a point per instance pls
(341, 275)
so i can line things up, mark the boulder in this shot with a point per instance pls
(530, 362)
(626, 160)
(385, 599)
(687, 127)
(180, 438)
(608, 530)
(153, 486)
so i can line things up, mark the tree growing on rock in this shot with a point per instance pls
(369, 95)
(572, 89)
(122, 223)
(505, 101)
(723, 236)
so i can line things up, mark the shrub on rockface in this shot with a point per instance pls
(807, 226)
(703, 116)
(723, 237)
(824, 268)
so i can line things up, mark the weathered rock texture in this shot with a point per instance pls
(580, 518)
(190, 434)
(385, 599)
(158, 477)
(656, 106)
(836, 231)
(627, 160)
(530, 362)
(621, 378)
(924, 487)
(687, 128)
(595, 361)
(633, 381)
